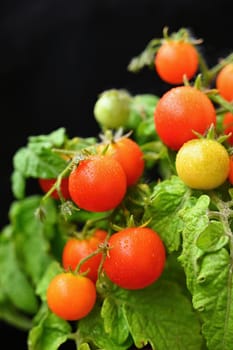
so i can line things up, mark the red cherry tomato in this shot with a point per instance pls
(98, 184)
(136, 257)
(129, 154)
(76, 249)
(228, 126)
(181, 111)
(46, 184)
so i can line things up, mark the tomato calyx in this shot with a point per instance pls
(110, 136)
(131, 222)
(183, 35)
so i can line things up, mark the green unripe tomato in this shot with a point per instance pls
(112, 108)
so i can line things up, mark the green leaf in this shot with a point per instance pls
(13, 316)
(13, 280)
(49, 334)
(44, 164)
(168, 316)
(159, 315)
(84, 346)
(209, 278)
(18, 182)
(56, 139)
(213, 297)
(116, 325)
(91, 329)
(30, 235)
(167, 199)
(141, 109)
(212, 238)
(195, 221)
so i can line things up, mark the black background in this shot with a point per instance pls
(58, 55)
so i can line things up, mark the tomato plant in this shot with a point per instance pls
(176, 59)
(224, 82)
(181, 111)
(98, 183)
(46, 185)
(203, 164)
(129, 154)
(77, 249)
(163, 255)
(136, 257)
(70, 296)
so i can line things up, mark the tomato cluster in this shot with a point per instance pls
(186, 122)
(105, 175)
(98, 182)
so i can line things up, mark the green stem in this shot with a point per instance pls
(86, 258)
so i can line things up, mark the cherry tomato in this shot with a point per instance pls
(71, 297)
(179, 112)
(128, 153)
(203, 164)
(230, 175)
(224, 82)
(98, 184)
(228, 126)
(76, 249)
(136, 257)
(174, 59)
(46, 184)
(112, 108)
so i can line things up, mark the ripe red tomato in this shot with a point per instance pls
(98, 184)
(46, 184)
(179, 112)
(76, 249)
(136, 257)
(174, 59)
(228, 126)
(129, 154)
(70, 296)
(230, 175)
(224, 82)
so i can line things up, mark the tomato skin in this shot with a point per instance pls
(128, 153)
(76, 249)
(227, 124)
(203, 164)
(136, 257)
(174, 59)
(224, 82)
(179, 112)
(46, 184)
(98, 184)
(230, 175)
(71, 297)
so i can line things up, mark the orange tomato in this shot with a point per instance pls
(174, 59)
(224, 82)
(71, 297)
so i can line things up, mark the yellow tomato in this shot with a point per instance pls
(203, 164)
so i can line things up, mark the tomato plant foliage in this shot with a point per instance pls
(188, 305)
